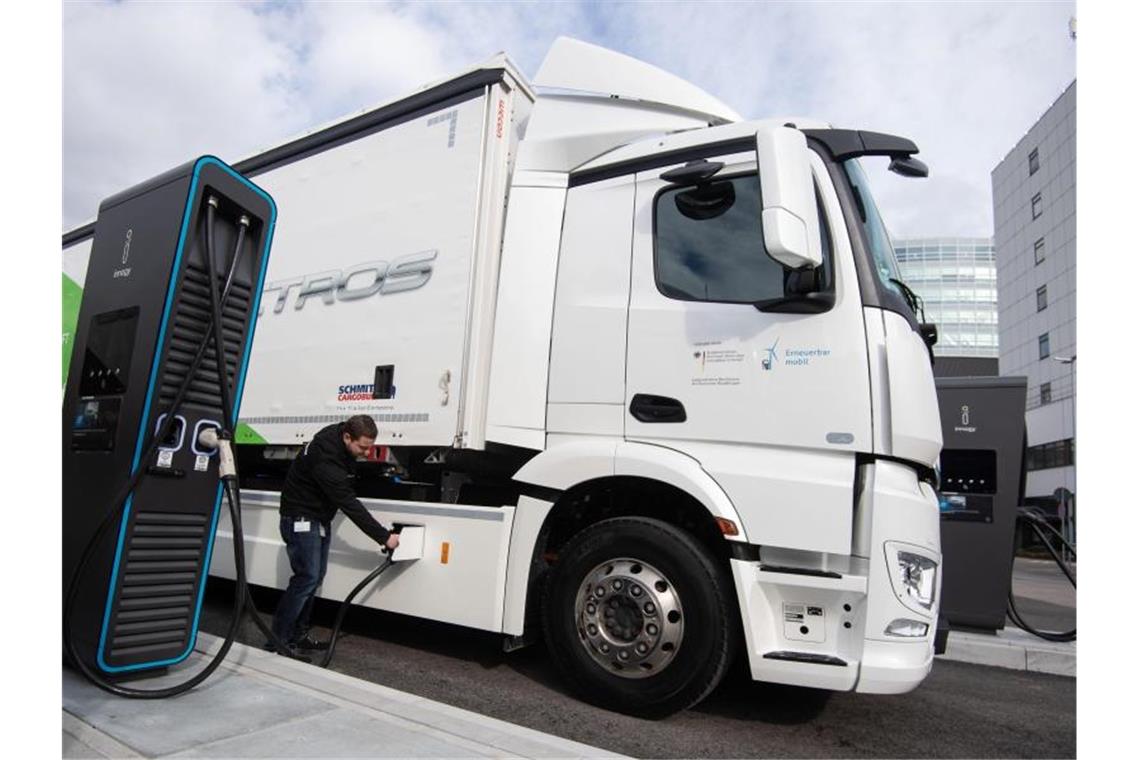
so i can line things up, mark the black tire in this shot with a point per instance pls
(707, 644)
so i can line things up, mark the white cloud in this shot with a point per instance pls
(150, 86)
(147, 86)
(963, 80)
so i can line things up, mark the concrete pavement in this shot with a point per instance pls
(260, 705)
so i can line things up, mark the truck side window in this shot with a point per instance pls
(709, 245)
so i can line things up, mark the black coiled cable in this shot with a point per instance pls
(242, 598)
(1038, 524)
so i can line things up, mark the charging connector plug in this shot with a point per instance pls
(227, 469)
(208, 438)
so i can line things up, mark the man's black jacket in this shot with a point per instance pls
(320, 482)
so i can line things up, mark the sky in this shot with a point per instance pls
(148, 86)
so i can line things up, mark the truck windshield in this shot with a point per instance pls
(886, 266)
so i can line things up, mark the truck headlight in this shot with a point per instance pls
(914, 577)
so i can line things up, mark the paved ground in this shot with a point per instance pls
(960, 711)
(1044, 596)
(258, 705)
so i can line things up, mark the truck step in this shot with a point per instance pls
(799, 571)
(809, 657)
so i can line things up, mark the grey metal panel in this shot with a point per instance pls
(980, 415)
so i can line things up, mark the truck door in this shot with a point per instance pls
(773, 405)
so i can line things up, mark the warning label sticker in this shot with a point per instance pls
(201, 462)
(165, 458)
(793, 613)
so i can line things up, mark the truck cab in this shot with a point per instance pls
(731, 350)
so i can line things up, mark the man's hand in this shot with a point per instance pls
(392, 542)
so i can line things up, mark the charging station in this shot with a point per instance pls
(983, 482)
(143, 407)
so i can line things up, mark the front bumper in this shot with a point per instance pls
(823, 624)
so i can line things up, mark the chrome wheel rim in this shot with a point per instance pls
(629, 618)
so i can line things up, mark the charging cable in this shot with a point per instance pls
(221, 440)
(1039, 525)
(121, 499)
(335, 636)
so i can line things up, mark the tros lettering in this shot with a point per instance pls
(360, 281)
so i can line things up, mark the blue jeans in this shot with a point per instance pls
(309, 559)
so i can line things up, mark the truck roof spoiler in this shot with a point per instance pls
(574, 65)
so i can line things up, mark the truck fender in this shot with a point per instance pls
(566, 465)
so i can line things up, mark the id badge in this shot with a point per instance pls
(301, 526)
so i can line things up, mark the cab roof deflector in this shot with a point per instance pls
(579, 66)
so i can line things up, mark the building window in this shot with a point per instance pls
(1034, 164)
(1054, 454)
(1039, 251)
(1037, 205)
(1046, 393)
(1043, 346)
(1042, 298)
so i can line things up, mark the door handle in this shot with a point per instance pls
(647, 408)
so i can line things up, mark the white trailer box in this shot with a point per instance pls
(386, 256)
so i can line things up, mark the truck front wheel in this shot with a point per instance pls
(638, 617)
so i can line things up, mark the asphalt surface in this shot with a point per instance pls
(1045, 598)
(960, 710)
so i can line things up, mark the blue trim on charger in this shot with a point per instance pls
(146, 414)
(254, 308)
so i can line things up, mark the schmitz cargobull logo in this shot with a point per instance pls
(360, 392)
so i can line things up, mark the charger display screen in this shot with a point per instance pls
(107, 359)
(94, 424)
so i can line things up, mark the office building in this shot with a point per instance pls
(1035, 245)
(957, 281)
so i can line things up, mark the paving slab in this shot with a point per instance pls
(260, 705)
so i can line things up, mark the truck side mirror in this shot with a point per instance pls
(789, 215)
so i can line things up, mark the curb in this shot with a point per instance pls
(1014, 649)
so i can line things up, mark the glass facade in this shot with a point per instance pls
(957, 280)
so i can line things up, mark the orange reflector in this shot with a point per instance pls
(444, 552)
(727, 527)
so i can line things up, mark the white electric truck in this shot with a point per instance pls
(643, 370)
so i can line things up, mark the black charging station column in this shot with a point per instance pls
(983, 482)
(146, 315)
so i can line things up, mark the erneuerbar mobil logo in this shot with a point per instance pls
(358, 392)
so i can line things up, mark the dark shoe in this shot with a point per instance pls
(308, 644)
(291, 652)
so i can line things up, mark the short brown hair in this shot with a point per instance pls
(360, 426)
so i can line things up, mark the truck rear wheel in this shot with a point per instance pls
(638, 617)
